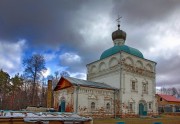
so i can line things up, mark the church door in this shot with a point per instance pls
(63, 105)
(142, 110)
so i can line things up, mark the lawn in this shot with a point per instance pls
(163, 119)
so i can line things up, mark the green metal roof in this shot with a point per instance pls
(116, 49)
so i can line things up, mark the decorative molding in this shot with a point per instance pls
(110, 70)
(92, 97)
(107, 98)
(138, 71)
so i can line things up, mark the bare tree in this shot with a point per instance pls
(64, 74)
(175, 92)
(56, 73)
(34, 66)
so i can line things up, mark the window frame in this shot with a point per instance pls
(134, 86)
(93, 106)
(150, 105)
(145, 87)
(131, 106)
(108, 106)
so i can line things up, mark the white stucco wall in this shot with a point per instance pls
(129, 95)
(99, 96)
(109, 74)
(122, 78)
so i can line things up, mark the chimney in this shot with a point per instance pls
(49, 94)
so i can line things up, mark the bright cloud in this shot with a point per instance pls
(166, 40)
(97, 30)
(69, 58)
(49, 56)
(46, 72)
(11, 56)
(78, 75)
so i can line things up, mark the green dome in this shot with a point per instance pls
(116, 49)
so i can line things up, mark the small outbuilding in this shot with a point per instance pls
(167, 103)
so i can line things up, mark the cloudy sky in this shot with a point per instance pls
(73, 33)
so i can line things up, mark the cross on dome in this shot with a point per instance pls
(118, 20)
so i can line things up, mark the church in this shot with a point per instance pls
(121, 83)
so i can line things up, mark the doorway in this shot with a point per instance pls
(63, 105)
(142, 109)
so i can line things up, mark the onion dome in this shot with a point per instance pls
(119, 34)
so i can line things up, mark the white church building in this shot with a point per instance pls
(121, 83)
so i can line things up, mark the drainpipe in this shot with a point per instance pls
(77, 92)
(120, 86)
(114, 103)
(154, 84)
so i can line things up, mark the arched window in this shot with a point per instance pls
(133, 85)
(130, 107)
(92, 106)
(145, 87)
(108, 106)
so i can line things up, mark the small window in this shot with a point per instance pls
(130, 107)
(133, 85)
(160, 99)
(108, 106)
(144, 87)
(92, 106)
(150, 105)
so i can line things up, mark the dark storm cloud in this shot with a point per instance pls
(57, 23)
(52, 24)
(40, 22)
(140, 16)
(141, 12)
(139, 20)
(45, 23)
(168, 71)
(170, 64)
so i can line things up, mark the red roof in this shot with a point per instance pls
(169, 98)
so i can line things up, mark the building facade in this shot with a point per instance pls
(130, 77)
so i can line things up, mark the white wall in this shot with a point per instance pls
(109, 71)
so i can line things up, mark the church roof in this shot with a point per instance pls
(169, 98)
(80, 82)
(115, 49)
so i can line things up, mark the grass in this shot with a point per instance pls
(163, 119)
